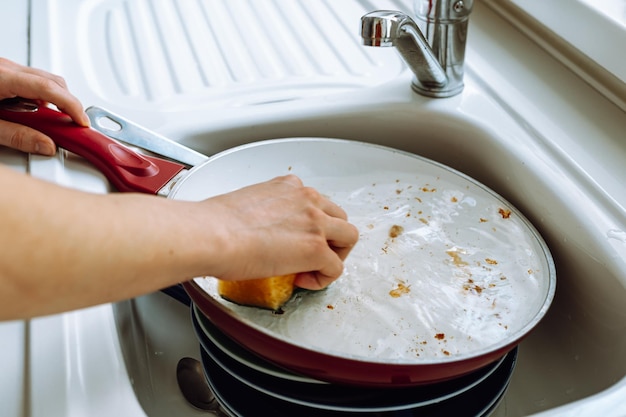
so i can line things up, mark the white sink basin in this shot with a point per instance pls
(523, 126)
(575, 352)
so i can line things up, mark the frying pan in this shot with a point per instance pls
(447, 276)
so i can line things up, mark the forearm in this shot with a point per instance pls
(64, 249)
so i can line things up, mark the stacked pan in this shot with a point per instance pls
(246, 385)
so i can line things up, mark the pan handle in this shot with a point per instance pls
(126, 169)
(119, 128)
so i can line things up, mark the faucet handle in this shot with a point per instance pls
(381, 27)
(443, 11)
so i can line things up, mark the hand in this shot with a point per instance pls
(281, 227)
(139, 243)
(20, 81)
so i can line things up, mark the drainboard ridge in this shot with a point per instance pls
(152, 51)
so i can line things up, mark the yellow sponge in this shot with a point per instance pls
(271, 293)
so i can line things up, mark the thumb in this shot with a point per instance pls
(25, 139)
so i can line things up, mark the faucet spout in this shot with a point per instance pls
(384, 28)
(436, 58)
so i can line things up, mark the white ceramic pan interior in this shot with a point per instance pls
(444, 269)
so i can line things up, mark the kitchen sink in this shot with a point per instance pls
(575, 352)
(524, 126)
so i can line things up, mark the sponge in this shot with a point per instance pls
(269, 293)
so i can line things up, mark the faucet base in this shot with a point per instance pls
(435, 53)
(436, 92)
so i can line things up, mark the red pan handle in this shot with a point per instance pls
(126, 169)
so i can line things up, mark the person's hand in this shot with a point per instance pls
(279, 227)
(21, 81)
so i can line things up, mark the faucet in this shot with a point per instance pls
(436, 53)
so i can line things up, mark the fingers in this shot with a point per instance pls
(340, 237)
(313, 281)
(313, 195)
(30, 70)
(337, 251)
(21, 81)
(25, 139)
(42, 88)
(289, 179)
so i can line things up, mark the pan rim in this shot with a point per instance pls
(511, 339)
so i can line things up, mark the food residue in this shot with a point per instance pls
(504, 213)
(491, 261)
(440, 336)
(395, 231)
(470, 285)
(456, 258)
(400, 290)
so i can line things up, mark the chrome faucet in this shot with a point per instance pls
(436, 53)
